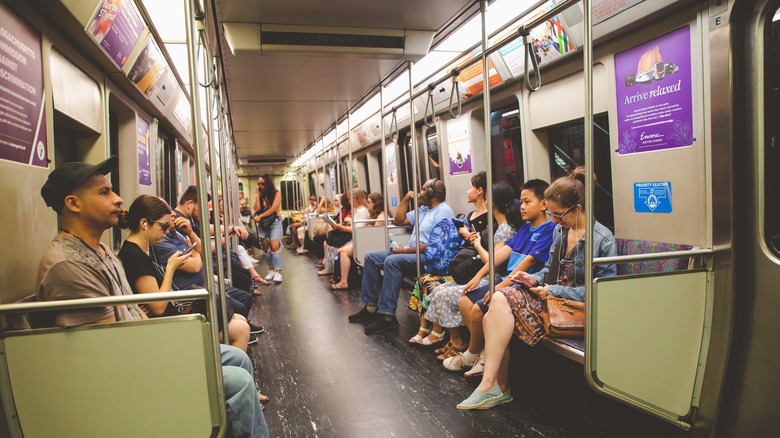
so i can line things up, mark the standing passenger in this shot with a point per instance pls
(77, 265)
(379, 296)
(268, 201)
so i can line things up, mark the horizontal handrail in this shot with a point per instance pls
(41, 306)
(652, 256)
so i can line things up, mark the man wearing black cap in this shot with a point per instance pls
(77, 265)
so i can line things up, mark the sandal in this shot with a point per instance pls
(262, 398)
(417, 339)
(443, 349)
(452, 352)
(338, 286)
(439, 336)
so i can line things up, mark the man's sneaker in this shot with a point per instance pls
(381, 324)
(477, 369)
(457, 363)
(278, 277)
(363, 315)
(269, 276)
(252, 340)
(256, 329)
(301, 250)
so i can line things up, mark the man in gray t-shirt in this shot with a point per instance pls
(76, 264)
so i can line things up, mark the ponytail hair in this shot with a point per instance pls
(568, 191)
(144, 207)
(504, 201)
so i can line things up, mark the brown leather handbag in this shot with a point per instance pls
(564, 318)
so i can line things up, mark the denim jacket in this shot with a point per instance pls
(603, 246)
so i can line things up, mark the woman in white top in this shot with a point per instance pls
(362, 208)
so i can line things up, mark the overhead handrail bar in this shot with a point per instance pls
(429, 103)
(688, 253)
(495, 47)
(44, 306)
(455, 90)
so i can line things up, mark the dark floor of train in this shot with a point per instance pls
(326, 378)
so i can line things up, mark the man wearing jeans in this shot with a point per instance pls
(379, 296)
(78, 265)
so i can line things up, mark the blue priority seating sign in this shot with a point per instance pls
(653, 197)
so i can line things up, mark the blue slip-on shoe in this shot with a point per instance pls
(478, 400)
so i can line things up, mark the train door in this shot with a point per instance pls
(433, 166)
(753, 380)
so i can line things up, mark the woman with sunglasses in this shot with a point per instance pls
(149, 219)
(518, 309)
(268, 202)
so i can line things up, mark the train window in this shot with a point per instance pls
(113, 139)
(567, 151)
(772, 133)
(407, 165)
(432, 145)
(289, 191)
(506, 146)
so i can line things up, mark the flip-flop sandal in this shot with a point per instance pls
(337, 287)
(262, 398)
(261, 281)
(443, 349)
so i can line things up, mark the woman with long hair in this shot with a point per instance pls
(149, 219)
(519, 309)
(360, 208)
(268, 202)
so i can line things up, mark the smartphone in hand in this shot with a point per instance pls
(189, 249)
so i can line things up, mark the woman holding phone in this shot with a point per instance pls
(148, 220)
(268, 203)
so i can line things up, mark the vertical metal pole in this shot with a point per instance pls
(416, 167)
(350, 166)
(384, 157)
(215, 212)
(201, 175)
(227, 202)
(338, 162)
(488, 147)
(587, 66)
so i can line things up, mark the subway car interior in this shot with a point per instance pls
(449, 218)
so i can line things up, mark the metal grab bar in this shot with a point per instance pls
(366, 221)
(652, 256)
(429, 103)
(41, 306)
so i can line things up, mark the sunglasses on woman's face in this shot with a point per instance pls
(163, 225)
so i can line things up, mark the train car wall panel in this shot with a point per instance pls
(75, 94)
(564, 100)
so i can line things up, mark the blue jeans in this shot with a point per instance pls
(274, 259)
(380, 292)
(244, 415)
(240, 299)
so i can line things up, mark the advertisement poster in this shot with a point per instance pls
(654, 97)
(392, 164)
(368, 131)
(459, 145)
(148, 68)
(22, 116)
(117, 26)
(470, 79)
(144, 163)
(549, 41)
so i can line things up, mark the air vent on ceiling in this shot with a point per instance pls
(376, 43)
(276, 160)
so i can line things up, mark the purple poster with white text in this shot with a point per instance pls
(654, 96)
(117, 26)
(144, 164)
(22, 117)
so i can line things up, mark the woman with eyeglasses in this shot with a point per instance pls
(518, 309)
(149, 219)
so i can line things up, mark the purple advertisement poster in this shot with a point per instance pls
(22, 116)
(654, 97)
(117, 26)
(144, 164)
(459, 145)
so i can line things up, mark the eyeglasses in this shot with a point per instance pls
(559, 216)
(163, 225)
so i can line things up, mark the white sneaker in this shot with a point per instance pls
(278, 277)
(456, 363)
(477, 369)
(270, 276)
